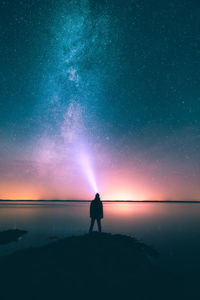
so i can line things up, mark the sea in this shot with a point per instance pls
(171, 228)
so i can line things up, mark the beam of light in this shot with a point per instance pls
(87, 169)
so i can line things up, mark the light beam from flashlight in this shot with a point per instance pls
(85, 163)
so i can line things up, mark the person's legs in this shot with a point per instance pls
(91, 225)
(99, 224)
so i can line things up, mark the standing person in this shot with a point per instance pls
(96, 212)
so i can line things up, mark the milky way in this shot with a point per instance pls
(100, 95)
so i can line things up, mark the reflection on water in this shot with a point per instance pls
(172, 228)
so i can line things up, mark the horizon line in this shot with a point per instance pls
(121, 201)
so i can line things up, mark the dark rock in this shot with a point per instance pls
(11, 235)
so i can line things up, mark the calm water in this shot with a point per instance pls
(171, 228)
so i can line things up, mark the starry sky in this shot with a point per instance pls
(108, 89)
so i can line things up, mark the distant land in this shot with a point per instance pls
(115, 201)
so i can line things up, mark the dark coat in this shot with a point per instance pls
(96, 209)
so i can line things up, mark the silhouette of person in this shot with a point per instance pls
(96, 212)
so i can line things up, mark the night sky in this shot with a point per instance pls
(102, 93)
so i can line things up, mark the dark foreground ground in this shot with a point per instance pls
(97, 266)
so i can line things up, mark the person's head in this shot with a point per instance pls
(97, 197)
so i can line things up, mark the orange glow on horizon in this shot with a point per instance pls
(122, 196)
(21, 196)
(122, 188)
(14, 192)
